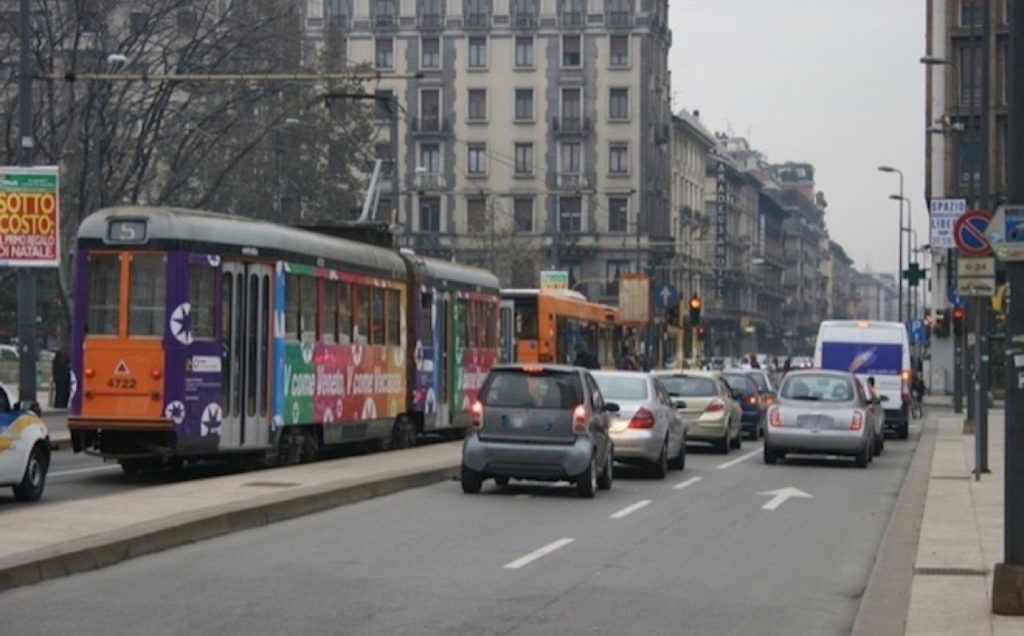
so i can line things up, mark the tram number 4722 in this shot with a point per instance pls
(121, 383)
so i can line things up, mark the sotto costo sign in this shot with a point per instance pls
(29, 216)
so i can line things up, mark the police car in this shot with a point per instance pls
(24, 448)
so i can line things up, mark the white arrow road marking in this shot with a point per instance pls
(739, 459)
(630, 509)
(689, 482)
(781, 495)
(536, 554)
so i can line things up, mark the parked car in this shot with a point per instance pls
(24, 448)
(820, 412)
(707, 404)
(544, 422)
(647, 429)
(747, 394)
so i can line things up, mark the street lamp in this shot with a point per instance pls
(909, 228)
(899, 275)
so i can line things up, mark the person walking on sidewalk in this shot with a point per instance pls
(61, 370)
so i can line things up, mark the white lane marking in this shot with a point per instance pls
(536, 554)
(780, 496)
(82, 471)
(630, 509)
(689, 482)
(741, 458)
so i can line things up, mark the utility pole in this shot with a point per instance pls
(981, 321)
(1008, 579)
(26, 280)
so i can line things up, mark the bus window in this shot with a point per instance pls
(329, 329)
(201, 279)
(291, 308)
(104, 292)
(377, 316)
(394, 318)
(362, 333)
(307, 308)
(146, 276)
(344, 313)
(526, 320)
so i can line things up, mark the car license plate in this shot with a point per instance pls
(813, 422)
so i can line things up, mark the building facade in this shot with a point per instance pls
(691, 145)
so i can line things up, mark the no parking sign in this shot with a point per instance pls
(969, 233)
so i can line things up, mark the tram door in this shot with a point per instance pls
(247, 346)
(507, 333)
(446, 344)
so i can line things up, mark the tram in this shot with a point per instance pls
(198, 334)
(554, 326)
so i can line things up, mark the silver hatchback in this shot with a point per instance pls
(647, 428)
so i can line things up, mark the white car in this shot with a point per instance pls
(24, 449)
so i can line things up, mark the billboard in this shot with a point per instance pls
(29, 216)
(635, 298)
(554, 280)
(943, 214)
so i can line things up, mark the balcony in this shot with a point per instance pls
(384, 21)
(572, 19)
(571, 125)
(524, 20)
(429, 125)
(571, 181)
(431, 182)
(431, 21)
(621, 19)
(478, 20)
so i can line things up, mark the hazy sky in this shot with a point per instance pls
(836, 83)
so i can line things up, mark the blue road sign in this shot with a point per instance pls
(667, 296)
(917, 331)
(954, 299)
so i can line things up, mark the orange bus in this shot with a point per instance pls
(556, 327)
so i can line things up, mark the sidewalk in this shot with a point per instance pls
(961, 537)
(44, 541)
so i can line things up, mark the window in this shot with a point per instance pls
(968, 159)
(524, 52)
(430, 158)
(618, 103)
(291, 307)
(477, 104)
(476, 214)
(430, 13)
(524, 214)
(570, 158)
(478, 52)
(619, 50)
(430, 214)
(430, 108)
(613, 272)
(104, 294)
(477, 13)
(524, 158)
(525, 12)
(618, 158)
(394, 331)
(971, 13)
(430, 52)
(201, 279)
(570, 217)
(362, 330)
(571, 51)
(344, 313)
(571, 109)
(382, 104)
(968, 57)
(524, 104)
(307, 308)
(146, 276)
(477, 159)
(384, 56)
(618, 214)
(329, 330)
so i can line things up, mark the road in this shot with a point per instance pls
(697, 553)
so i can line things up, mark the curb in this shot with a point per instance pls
(107, 549)
(886, 600)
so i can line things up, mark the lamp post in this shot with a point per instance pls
(899, 274)
(908, 228)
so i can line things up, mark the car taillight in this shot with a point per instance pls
(767, 401)
(774, 417)
(715, 406)
(642, 419)
(477, 413)
(579, 419)
(857, 422)
(752, 400)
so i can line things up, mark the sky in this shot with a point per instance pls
(834, 83)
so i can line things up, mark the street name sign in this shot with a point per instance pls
(1006, 233)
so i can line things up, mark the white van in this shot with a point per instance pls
(871, 349)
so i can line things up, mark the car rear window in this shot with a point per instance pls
(622, 388)
(759, 380)
(690, 386)
(818, 388)
(740, 383)
(520, 389)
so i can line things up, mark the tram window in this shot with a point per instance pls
(426, 328)
(252, 314)
(465, 313)
(344, 314)
(291, 307)
(489, 334)
(104, 290)
(473, 337)
(362, 333)
(201, 279)
(377, 317)
(394, 318)
(329, 330)
(307, 305)
(262, 337)
(146, 279)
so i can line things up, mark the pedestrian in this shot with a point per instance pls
(61, 380)
(788, 365)
(754, 364)
(626, 361)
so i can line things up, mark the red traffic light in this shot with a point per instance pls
(958, 314)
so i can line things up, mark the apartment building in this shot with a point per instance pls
(691, 145)
(531, 134)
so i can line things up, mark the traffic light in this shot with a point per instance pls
(958, 321)
(695, 306)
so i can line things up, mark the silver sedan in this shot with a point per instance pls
(820, 412)
(647, 429)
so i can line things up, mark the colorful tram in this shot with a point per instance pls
(198, 334)
(554, 326)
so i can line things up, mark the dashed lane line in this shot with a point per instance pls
(628, 510)
(741, 458)
(689, 482)
(536, 554)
